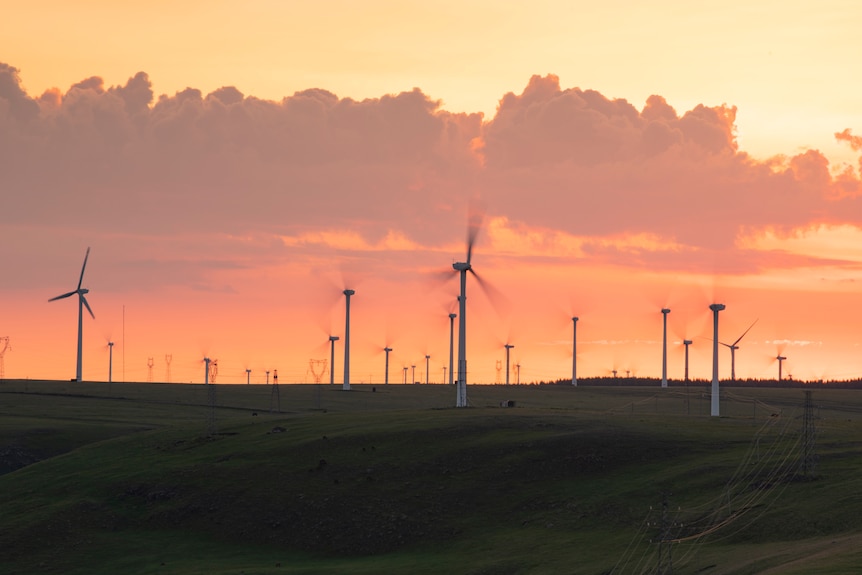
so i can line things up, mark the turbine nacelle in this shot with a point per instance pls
(462, 266)
(717, 307)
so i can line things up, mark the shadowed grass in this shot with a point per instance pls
(570, 481)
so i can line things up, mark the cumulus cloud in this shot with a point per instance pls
(570, 161)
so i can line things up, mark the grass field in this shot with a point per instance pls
(126, 478)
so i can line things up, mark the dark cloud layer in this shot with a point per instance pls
(118, 158)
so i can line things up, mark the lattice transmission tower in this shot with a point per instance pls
(317, 367)
(274, 397)
(212, 371)
(4, 347)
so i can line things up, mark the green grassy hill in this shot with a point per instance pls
(585, 480)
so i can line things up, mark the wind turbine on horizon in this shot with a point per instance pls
(574, 352)
(780, 358)
(462, 268)
(508, 347)
(664, 313)
(386, 349)
(733, 347)
(714, 400)
(332, 340)
(452, 317)
(82, 303)
(347, 293)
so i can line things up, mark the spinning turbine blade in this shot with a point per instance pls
(497, 299)
(473, 228)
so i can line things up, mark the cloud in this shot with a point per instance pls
(572, 172)
(599, 167)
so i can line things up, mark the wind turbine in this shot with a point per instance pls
(574, 352)
(780, 359)
(82, 303)
(332, 340)
(664, 313)
(714, 404)
(427, 360)
(110, 360)
(686, 343)
(387, 349)
(346, 385)
(733, 347)
(247, 376)
(452, 317)
(462, 268)
(508, 346)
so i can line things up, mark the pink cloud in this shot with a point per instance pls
(116, 159)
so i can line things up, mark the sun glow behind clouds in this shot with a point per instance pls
(835, 241)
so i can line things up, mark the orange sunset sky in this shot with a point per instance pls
(234, 166)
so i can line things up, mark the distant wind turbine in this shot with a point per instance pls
(347, 294)
(574, 352)
(387, 349)
(714, 403)
(780, 359)
(664, 313)
(452, 317)
(733, 347)
(686, 343)
(508, 347)
(332, 340)
(110, 360)
(82, 303)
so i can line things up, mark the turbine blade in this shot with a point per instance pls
(83, 267)
(745, 332)
(71, 293)
(474, 224)
(499, 301)
(86, 305)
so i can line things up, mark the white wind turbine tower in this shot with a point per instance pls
(686, 343)
(664, 313)
(462, 268)
(346, 384)
(733, 347)
(427, 365)
(332, 340)
(714, 404)
(452, 317)
(574, 352)
(82, 303)
(110, 360)
(387, 349)
(508, 346)
(780, 359)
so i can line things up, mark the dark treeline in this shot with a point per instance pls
(750, 382)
